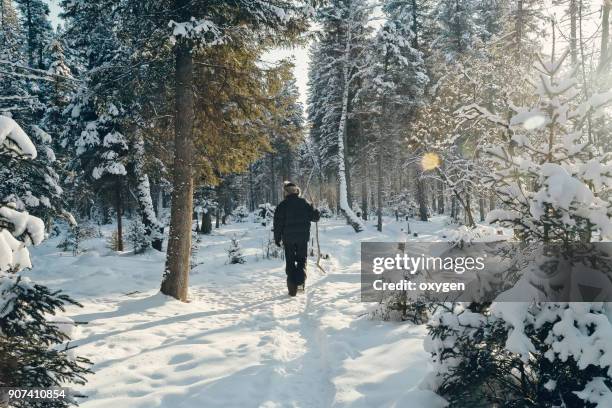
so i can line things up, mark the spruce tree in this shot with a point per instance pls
(37, 29)
(339, 64)
(22, 98)
(195, 25)
(397, 81)
(234, 252)
(458, 29)
(553, 189)
(33, 350)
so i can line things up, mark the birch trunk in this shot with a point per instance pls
(344, 205)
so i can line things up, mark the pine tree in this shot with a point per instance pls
(153, 228)
(241, 213)
(72, 240)
(286, 128)
(137, 236)
(101, 149)
(35, 188)
(398, 80)
(458, 28)
(553, 190)
(547, 152)
(206, 24)
(10, 30)
(37, 28)
(58, 94)
(234, 252)
(339, 62)
(97, 134)
(33, 350)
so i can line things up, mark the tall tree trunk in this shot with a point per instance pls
(585, 82)
(206, 222)
(481, 207)
(176, 276)
(604, 56)
(364, 189)
(251, 190)
(160, 201)
(421, 195)
(518, 26)
(379, 185)
(573, 41)
(30, 34)
(381, 147)
(217, 217)
(440, 197)
(347, 171)
(343, 202)
(434, 202)
(119, 213)
(467, 208)
(106, 218)
(273, 187)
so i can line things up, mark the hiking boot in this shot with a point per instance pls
(292, 287)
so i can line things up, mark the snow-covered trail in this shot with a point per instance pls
(241, 341)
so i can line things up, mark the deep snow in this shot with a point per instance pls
(241, 341)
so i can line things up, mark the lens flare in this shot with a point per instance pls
(430, 161)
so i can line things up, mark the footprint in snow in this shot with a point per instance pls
(180, 359)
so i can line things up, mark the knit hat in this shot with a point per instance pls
(290, 188)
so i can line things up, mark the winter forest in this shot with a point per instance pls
(145, 147)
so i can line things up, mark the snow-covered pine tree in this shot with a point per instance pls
(37, 29)
(101, 149)
(57, 93)
(319, 98)
(241, 213)
(32, 187)
(105, 116)
(548, 174)
(96, 132)
(197, 26)
(339, 63)
(397, 80)
(458, 28)
(35, 188)
(234, 252)
(137, 236)
(72, 240)
(153, 228)
(553, 188)
(33, 350)
(10, 30)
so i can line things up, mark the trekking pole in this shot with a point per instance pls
(318, 243)
(315, 166)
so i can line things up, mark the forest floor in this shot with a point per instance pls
(240, 341)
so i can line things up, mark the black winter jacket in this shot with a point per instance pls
(292, 219)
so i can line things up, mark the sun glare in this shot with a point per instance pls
(430, 161)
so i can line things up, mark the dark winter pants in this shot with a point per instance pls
(295, 257)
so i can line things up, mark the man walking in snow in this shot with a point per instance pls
(292, 220)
